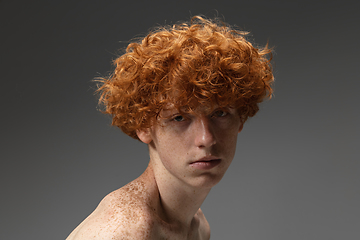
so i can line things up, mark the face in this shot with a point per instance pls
(197, 147)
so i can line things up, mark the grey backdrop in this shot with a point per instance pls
(296, 172)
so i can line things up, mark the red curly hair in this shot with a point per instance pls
(202, 62)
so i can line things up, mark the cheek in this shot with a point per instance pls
(166, 146)
(169, 140)
(229, 140)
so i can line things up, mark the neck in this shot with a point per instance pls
(178, 201)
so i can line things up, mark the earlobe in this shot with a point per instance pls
(144, 135)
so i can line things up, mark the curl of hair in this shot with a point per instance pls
(201, 62)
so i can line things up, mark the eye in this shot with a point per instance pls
(219, 113)
(178, 118)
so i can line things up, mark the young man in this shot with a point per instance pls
(186, 91)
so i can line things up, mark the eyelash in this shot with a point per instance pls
(177, 116)
(216, 114)
(223, 113)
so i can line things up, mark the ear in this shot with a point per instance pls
(144, 135)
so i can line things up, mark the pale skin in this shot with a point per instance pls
(189, 154)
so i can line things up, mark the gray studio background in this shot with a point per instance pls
(296, 172)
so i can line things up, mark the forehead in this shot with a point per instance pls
(199, 109)
(194, 108)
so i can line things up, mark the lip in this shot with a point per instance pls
(206, 163)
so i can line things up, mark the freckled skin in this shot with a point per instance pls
(131, 212)
(164, 202)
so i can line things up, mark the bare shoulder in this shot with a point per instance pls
(122, 214)
(204, 227)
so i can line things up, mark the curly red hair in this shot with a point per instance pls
(201, 62)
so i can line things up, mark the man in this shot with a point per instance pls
(186, 91)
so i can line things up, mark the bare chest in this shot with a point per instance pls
(198, 231)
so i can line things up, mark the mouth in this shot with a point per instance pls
(206, 163)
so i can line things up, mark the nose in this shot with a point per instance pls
(203, 132)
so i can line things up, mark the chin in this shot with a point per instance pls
(206, 180)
